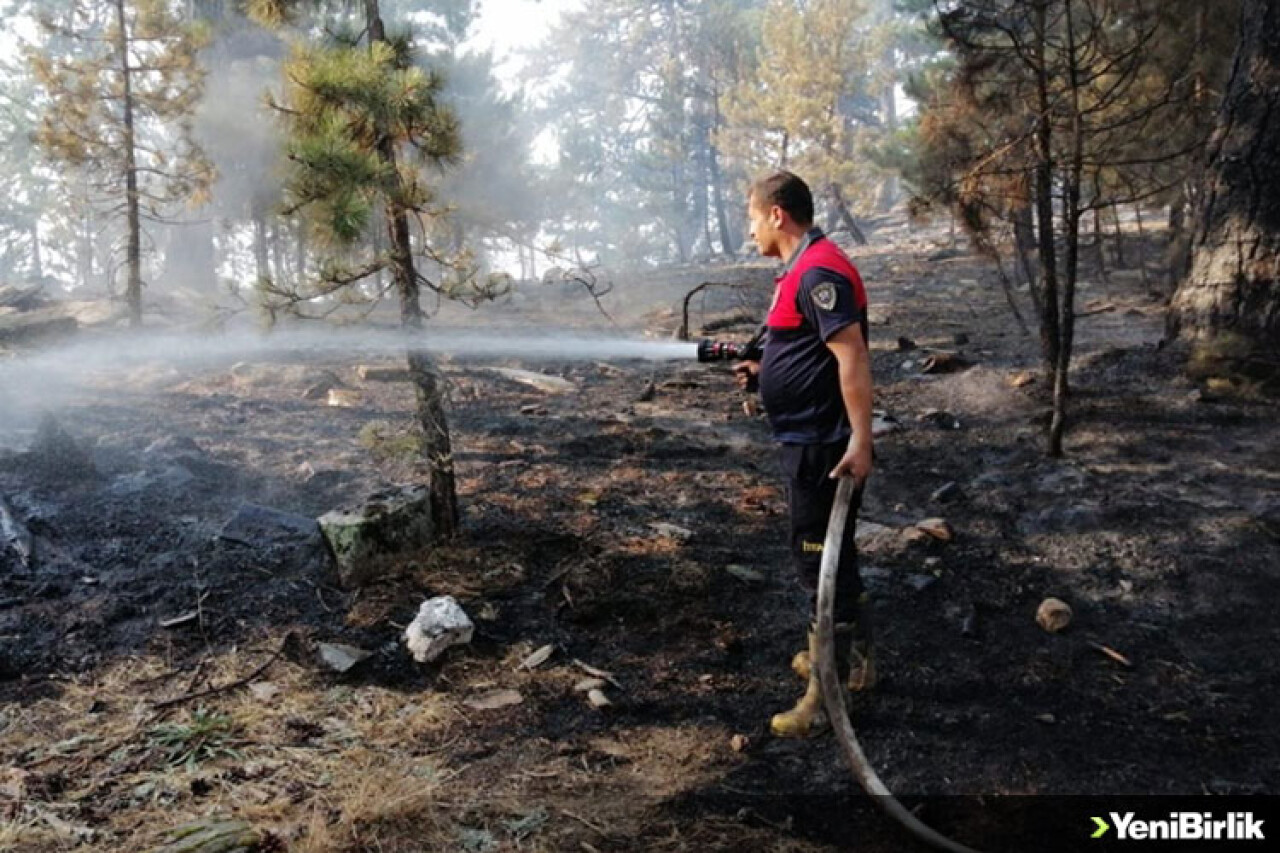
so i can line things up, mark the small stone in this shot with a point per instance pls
(1047, 719)
(597, 698)
(1054, 615)
(586, 685)
(905, 344)
(1023, 379)
(739, 743)
(440, 623)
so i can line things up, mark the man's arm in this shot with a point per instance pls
(850, 350)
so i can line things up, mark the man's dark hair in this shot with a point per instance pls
(789, 192)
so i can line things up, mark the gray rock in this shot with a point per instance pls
(440, 623)
(389, 522)
(262, 527)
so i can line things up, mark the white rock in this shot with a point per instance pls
(440, 623)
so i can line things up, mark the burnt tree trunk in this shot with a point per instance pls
(841, 218)
(1232, 294)
(133, 214)
(1046, 239)
(437, 447)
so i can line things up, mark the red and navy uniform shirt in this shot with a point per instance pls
(818, 293)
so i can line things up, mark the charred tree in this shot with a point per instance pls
(1230, 300)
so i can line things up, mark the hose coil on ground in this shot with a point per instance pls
(833, 691)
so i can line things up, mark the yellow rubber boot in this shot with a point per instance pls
(807, 718)
(861, 661)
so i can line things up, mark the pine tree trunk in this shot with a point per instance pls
(133, 218)
(436, 444)
(261, 264)
(729, 241)
(1232, 293)
(891, 189)
(841, 218)
(1044, 207)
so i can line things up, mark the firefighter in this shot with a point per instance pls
(814, 375)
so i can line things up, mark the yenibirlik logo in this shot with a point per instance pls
(1183, 826)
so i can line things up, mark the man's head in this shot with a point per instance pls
(778, 204)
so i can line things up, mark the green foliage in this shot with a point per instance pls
(206, 736)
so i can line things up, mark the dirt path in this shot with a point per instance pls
(1156, 528)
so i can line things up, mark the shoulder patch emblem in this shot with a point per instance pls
(824, 295)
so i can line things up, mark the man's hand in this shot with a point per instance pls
(855, 463)
(747, 375)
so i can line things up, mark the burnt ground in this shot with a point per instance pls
(1156, 528)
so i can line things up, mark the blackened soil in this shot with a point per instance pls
(1158, 528)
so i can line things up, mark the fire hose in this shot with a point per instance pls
(833, 691)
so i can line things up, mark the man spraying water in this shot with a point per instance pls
(814, 374)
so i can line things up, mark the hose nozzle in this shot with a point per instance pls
(709, 350)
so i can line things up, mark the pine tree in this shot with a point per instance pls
(365, 123)
(807, 102)
(120, 110)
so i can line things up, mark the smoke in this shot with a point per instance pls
(46, 380)
(241, 138)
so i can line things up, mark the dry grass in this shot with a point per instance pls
(326, 768)
(333, 768)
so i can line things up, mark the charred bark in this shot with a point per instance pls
(437, 448)
(1232, 292)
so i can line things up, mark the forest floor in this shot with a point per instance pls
(646, 539)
